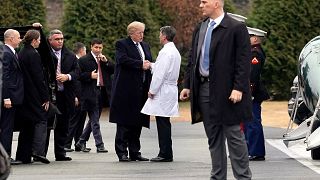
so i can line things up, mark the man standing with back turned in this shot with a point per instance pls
(217, 82)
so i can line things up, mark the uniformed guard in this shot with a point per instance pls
(237, 17)
(253, 130)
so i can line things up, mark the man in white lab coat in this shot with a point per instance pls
(163, 92)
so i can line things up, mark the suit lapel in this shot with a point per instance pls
(218, 34)
(202, 34)
(91, 58)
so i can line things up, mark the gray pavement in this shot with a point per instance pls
(191, 159)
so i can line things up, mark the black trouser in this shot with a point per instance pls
(62, 125)
(164, 137)
(76, 126)
(128, 137)
(6, 127)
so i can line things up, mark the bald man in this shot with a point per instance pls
(12, 88)
(217, 82)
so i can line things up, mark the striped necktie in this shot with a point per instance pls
(59, 84)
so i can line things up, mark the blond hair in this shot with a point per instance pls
(132, 27)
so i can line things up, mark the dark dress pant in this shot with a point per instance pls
(31, 140)
(128, 138)
(93, 125)
(62, 124)
(6, 127)
(164, 137)
(217, 135)
(76, 126)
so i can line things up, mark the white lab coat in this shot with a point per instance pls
(165, 74)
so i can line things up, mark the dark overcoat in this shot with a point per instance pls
(89, 89)
(129, 91)
(229, 69)
(35, 87)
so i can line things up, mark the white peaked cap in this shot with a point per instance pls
(237, 17)
(256, 32)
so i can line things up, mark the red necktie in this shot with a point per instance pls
(100, 81)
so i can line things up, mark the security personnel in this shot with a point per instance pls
(253, 130)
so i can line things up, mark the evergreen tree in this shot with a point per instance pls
(108, 20)
(290, 25)
(21, 12)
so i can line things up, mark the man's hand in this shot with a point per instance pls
(7, 103)
(37, 24)
(236, 96)
(150, 95)
(62, 77)
(46, 106)
(94, 74)
(146, 65)
(102, 57)
(184, 94)
(76, 101)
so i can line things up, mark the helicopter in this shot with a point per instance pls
(304, 105)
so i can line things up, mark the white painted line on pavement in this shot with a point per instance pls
(298, 152)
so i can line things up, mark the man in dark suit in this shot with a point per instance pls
(92, 67)
(130, 91)
(79, 117)
(66, 73)
(12, 88)
(217, 82)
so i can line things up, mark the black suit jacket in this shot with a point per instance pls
(69, 65)
(129, 91)
(12, 78)
(229, 69)
(89, 89)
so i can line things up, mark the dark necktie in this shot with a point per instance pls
(206, 58)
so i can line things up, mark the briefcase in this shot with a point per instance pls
(52, 116)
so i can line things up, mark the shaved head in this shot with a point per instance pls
(12, 38)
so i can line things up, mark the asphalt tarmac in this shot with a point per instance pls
(191, 159)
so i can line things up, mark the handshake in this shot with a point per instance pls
(146, 65)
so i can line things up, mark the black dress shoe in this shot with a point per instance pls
(63, 158)
(101, 150)
(68, 149)
(82, 147)
(124, 158)
(40, 159)
(15, 162)
(139, 158)
(256, 158)
(161, 159)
